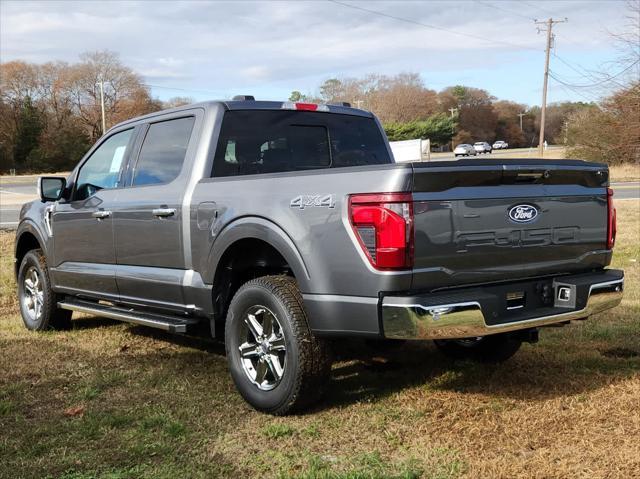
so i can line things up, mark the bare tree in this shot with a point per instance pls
(123, 90)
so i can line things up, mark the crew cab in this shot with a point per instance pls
(280, 226)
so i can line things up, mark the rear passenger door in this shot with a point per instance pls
(148, 221)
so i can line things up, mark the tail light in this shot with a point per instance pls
(383, 224)
(611, 220)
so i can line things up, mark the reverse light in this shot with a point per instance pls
(383, 224)
(612, 226)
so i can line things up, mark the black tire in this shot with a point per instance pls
(34, 282)
(488, 349)
(305, 362)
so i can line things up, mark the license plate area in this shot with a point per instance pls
(516, 300)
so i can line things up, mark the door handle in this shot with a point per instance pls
(164, 212)
(102, 214)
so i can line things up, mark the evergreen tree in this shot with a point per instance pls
(29, 128)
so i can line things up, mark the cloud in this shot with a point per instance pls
(274, 47)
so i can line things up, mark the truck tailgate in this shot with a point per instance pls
(481, 221)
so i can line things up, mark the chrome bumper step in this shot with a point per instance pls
(173, 324)
(464, 314)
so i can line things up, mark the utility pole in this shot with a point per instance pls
(548, 27)
(521, 115)
(104, 123)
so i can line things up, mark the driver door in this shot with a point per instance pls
(83, 244)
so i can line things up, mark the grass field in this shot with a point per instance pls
(111, 400)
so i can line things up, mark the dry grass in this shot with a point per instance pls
(113, 401)
(627, 172)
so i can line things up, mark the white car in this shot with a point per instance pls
(482, 147)
(464, 150)
(500, 145)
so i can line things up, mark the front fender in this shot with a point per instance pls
(29, 226)
(262, 229)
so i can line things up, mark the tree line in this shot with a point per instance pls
(50, 114)
(458, 114)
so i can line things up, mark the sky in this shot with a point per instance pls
(216, 49)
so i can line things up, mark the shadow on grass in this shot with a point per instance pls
(366, 372)
(197, 341)
(537, 372)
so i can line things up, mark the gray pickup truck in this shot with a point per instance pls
(282, 225)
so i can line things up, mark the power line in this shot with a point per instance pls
(606, 80)
(584, 73)
(426, 25)
(491, 5)
(590, 99)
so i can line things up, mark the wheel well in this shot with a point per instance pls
(26, 243)
(244, 260)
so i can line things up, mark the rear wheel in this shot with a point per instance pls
(38, 302)
(276, 363)
(489, 349)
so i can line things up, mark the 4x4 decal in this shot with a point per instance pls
(306, 201)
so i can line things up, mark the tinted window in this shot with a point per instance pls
(102, 169)
(270, 141)
(163, 151)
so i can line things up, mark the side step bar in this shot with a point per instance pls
(173, 324)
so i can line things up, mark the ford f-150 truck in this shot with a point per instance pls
(283, 225)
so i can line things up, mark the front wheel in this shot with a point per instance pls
(38, 302)
(275, 361)
(488, 349)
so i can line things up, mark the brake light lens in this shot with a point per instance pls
(612, 226)
(383, 224)
(290, 105)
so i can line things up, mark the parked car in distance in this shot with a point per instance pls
(465, 150)
(482, 147)
(500, 145)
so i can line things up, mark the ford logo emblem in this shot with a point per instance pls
(523, 213)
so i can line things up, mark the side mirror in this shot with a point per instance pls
(51, 188)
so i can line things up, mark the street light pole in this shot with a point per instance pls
(452, 111)
(521, 115)
(104, 123)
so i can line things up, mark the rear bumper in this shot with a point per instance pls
(481, 311)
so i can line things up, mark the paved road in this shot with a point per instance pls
(550, 153)
(13, 193)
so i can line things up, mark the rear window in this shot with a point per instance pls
(268, 141)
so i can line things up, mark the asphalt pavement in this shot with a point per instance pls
(15, 192)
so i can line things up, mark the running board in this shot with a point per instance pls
(173, 324)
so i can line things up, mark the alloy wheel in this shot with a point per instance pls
(32, 294)
(263, 353)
